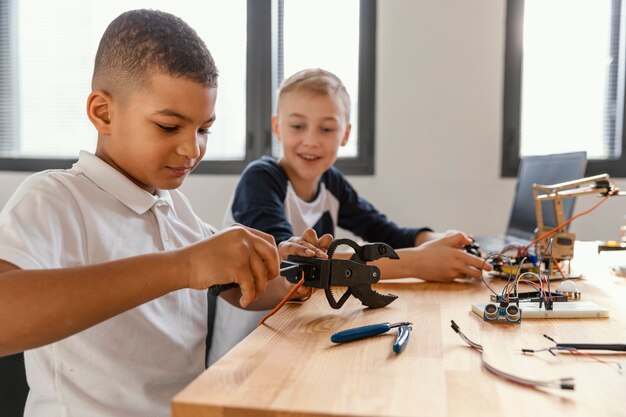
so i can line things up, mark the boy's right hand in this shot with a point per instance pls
(443, 259)
(236, 254)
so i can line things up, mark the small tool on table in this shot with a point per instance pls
(287, 268)
(616, 347)
(404, 331)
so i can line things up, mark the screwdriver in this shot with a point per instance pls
(404, 329)
(287, 269)
(618, 347)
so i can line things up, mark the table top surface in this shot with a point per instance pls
(291, 368)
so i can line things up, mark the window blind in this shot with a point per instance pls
(334, 48)
(569, 78)
(48, 48)
(8, 95)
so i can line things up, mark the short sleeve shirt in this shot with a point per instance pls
(134, 363)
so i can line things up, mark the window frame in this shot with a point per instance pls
(511, 112)
(263, 43)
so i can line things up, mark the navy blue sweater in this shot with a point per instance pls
(265, 200)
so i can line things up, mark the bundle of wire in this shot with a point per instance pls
(285, 300)
(565, 223)
(561, 383)
(572, 351)
(511, 288)
(523, 251)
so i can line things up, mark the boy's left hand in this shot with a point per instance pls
(308, 245)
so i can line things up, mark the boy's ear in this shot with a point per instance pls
(99, 111)
(346, 134)
(275, 127)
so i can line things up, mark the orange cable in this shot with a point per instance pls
(565, 223)
(284, 300)
(559, 268)
(593, 357)
(527, 281)
(511, 285)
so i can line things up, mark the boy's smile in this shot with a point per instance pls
(157, 135)
(311, 127)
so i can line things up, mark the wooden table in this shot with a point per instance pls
(290, 367)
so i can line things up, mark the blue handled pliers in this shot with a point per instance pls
(404, 330)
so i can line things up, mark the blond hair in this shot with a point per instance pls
(317, 81)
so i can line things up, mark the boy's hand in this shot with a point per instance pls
(306, 245)
(427, 236)
(443, 259)
(237, 254)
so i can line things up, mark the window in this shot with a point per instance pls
(47, 50)
(338, 54)
(564, 87)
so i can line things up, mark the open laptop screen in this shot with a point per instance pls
(542, 169)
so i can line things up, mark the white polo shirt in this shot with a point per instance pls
(134, 363)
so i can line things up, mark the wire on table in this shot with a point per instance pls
(284, 300)
(562, 383)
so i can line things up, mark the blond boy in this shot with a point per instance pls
(302, 189)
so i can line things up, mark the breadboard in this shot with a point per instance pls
(553, 277)
(562, 310)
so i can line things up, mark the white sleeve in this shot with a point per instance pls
(41, 226)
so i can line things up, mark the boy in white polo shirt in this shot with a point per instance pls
(102, 265)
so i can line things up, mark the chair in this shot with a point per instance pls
(13, 386)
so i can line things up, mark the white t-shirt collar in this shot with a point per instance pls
(115, 183)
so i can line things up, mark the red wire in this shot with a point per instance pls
(559, 268)
(593, 357)
(284, 300)
(565, 223)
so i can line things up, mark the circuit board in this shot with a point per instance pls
(553, 277)
(561, 310)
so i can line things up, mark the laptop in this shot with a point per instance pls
(536, 169)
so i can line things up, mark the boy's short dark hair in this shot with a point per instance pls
(141, 42)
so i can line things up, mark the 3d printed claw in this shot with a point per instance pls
(371, 298)
(354, 274)
(332, 301)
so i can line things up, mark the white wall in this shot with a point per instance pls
(439, 101)
(438, 127)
